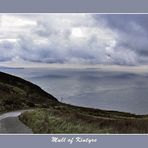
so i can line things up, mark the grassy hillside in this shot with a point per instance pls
(71, 119)
(16, 93)
(51, 116)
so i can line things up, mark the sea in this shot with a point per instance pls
(90, 87)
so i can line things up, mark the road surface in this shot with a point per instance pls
(10, 124)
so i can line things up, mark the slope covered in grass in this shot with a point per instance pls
(72, 119)
(16, 93)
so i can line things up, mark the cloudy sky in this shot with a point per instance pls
(115, 39)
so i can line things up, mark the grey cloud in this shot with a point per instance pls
(106, 39)
(132, 33)
(7, 51)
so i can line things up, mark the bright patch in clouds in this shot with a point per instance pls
(14, 21)
(77, 32)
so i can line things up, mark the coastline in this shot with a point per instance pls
(51, 116)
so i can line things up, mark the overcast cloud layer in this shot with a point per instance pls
(74, 38)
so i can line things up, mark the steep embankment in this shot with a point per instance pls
(16, 93)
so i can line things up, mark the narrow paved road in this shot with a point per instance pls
(10, 124)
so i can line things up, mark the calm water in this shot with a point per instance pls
(92, 88)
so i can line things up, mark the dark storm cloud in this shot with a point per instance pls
(132, 30)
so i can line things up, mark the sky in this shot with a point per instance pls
(77, 39)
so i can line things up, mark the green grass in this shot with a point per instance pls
(43, 121)
(70, 119)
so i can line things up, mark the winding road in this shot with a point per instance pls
(10, 124)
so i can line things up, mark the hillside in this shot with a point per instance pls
(16, 93)
(51, 116)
